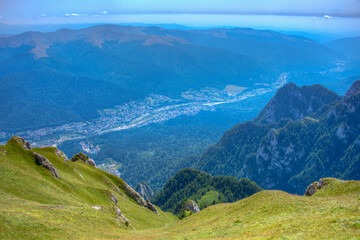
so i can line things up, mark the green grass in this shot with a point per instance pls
(34, 202)
(36, 205)
(208, 199)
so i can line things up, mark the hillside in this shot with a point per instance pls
(202, 188)
(34, 204)
(55, 198)
(331, 213)
(317, 135)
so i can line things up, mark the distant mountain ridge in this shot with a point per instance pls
(133, 61)
(291, 152)
(348, 46)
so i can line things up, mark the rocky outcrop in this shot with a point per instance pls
(145, 191)
(191, 206)
(136, 196)
(25, 144)
(61, 154)
(312, 188)
(355, 89)
(120, 217)
(83, 157)
(113, 198)
(41, 160)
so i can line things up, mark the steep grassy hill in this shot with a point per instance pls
(34, 204)
(331, 213)
(81, 201)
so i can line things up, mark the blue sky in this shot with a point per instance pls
(301, 15)
(33, 8)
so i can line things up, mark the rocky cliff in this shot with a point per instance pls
(301, 135)
(145, 191)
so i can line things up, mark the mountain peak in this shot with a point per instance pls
(354, 89)
(295, 102)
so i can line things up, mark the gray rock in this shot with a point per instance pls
(121, 217)
(61, 154)
(140, 200)
(118, 211)
(25, 144)
(191, 205)
(312, 188)
(354, 89)
(145, 191)
(113, 198)
(41, 160)
(83, 157)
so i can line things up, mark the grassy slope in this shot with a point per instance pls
(35, 205)
(276, 214)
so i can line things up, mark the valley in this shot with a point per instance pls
(135, 114)
(180, 120)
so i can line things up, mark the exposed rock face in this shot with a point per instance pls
(312, 188)
(61, 154)
(289, 156)
(113, 198)
(83, 157)
(145, 191)
(25, 144)
(136, 196)
(191, 205)
(355, 89)
(121, 217)
(41, 160)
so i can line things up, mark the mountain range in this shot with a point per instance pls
(301, 135)
(72, 77)
(127, 63)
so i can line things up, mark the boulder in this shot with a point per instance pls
(191, 206)
(41, 160)
(312, 188)
(83, 157)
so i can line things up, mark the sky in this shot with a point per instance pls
(315, 15)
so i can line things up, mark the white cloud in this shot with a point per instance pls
(104, 12)
(327, 16)
(43, 15)
(76, 14)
